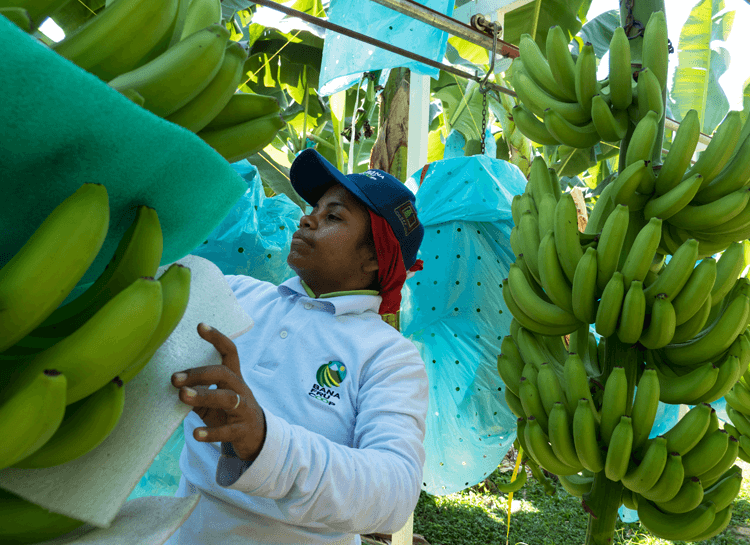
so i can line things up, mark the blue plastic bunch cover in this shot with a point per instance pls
(345, 59)
(454, 313)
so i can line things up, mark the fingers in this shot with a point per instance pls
(223, 345)
(223, 399)
(224, 434)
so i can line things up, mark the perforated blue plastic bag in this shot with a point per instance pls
(454, 312)
(345, 59)
(254, 238)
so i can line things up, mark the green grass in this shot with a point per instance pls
(478, 516)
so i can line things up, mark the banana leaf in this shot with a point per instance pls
(524, 20)
(462, 104)
(696, 79)
(598, 32)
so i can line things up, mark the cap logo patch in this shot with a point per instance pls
(407, 215)
(374, 174)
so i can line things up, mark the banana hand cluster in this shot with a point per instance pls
(175, 59)
(738, 409)
(64, 367)
(563, 103)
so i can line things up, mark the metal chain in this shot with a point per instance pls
(482, 85)
(484, 118)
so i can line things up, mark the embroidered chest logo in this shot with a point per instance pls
(330, 375)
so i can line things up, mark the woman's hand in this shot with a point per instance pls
(230, 412)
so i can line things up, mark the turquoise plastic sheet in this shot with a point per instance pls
(454, 313)
(345, 59)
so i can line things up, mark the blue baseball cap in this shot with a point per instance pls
(311, 176)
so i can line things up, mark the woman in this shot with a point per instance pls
(314, 431)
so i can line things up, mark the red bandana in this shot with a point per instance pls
(391, 269)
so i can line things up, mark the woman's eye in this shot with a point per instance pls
(332, 217)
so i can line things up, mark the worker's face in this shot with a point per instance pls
(327, 250)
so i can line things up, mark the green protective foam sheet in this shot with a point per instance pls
(61, 127)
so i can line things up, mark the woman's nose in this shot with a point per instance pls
(306, 221)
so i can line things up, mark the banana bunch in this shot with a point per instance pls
(64, 367)
(563, 102)
(738, 409)
(175, 59)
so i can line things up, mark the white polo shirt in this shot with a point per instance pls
(345, 398)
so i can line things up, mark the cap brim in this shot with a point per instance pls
(311, 175)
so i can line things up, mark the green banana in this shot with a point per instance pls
(680, 153)
(513, 486)
(674, 200)
(586, 83)
(696, 290)
(550, 389)
(619, 449)
(642, 252)
(197, 113)
(649, 94)
(576, 485)
(532, 305)
(676, 273)
(744, 451)
(620, 71)
(200, 14)
(630, 326)
(529, 348)
(526, 321)
(642, 477)
(85, 425)
(153, 33)
(687, 388)
(552, 277)
(535, 99)
(509, 364)
(583, 292)
(528, 393)
(670, 480)
(718, 337)
(51, 262)
(688, 498)
(728, 269)
(178, 75)
(728, 375)
(561, 436)
(106, 344)
(567, 133)
(19, 17)
(244, 139)
(629, 499)
(735, 175)
(137, 255)
(643, 140)
(706, 453)
(585, 437)
(514, 404)
(713, 475)
(629, 180)
(32, 409)
(22, 521)
(694, 325)
(654, 55)
(735, 229)
(561, 63)
(243, 107)
(37, 10)
(740, 421)
(547, 206)
(608, 311)
(602, 209)
(531, 127)
(614, 402)
(662, 326)
(567, 238)
(689, 430)
(540, 450)
(175, 291)
(720, 523)
(610, 245)
(538, 69)
(723, 492)
(676, 527)
(576, 384)
(645, 405)
(740, 397)
(712, 214)
(719, 150)
(533, 283)
(611, 126)
(114, 30)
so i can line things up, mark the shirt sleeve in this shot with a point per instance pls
(372, 487)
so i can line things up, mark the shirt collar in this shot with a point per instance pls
(337, 303)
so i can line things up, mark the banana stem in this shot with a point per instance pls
(602, 504)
